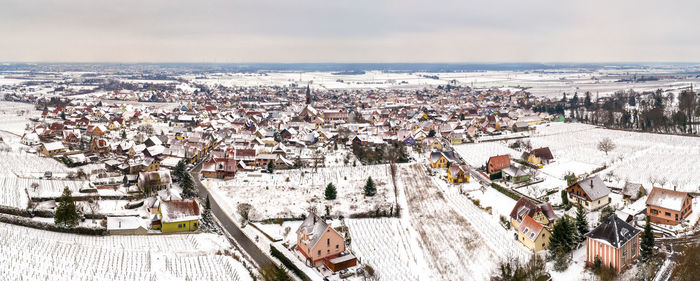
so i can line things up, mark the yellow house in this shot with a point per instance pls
(438, 160)
(533, 235)
(458, 174)
(179, 215)
(543, 214)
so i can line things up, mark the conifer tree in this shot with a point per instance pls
(581, 222)
(66, 213)
(330, 192)
(647, 244)
(370, 189)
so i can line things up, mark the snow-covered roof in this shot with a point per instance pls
(594, 187)
(179, 210)
(614, 231)
(666, 198)
(57, 145)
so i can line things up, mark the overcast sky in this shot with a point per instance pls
(349, 31)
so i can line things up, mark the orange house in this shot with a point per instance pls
(317, 241)
(667, 206)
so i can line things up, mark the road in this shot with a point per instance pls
(227, 222)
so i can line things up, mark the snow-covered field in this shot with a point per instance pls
(31, 254)
(543, 83)
(638, 157)
(273, 196)
(384, 244)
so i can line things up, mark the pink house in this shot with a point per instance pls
(317, 241)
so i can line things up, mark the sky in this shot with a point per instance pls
(347, 31)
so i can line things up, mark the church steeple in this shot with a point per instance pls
(308, 94)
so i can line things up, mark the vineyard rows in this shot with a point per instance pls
(30, 254)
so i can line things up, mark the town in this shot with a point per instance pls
(332, 176)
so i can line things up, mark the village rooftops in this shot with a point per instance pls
(614, 231)
(666, 198)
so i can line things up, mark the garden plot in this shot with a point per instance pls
(452, 246)
(384, 244)
(31, 254)
(291, 193)
(52, 188)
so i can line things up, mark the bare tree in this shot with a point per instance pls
(606, 145)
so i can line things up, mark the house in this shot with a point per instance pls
(591, 192)
(633, 191)
(539, 156)
(515, 175)
(497, 163)
(441, 159)
(543, 214)
(219, 168)
(615, 242)
(179, 215)
(52, 148)
(317, 241)
(533, 234)
(125, 226)
(458, 173)
(667, 206)
(154, 181)
(99, 145)
(433, 144)
(30, 139)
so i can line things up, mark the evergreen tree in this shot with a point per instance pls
(270, 166)
(370, 189)
(179, 169)
(207, 204)
(431, 133)
(123, 134)
(581, 222)
(187, 186)
(66, 213)
(561, 236)
(647, 244)
(330, 192)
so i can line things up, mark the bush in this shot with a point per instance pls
(505, 191)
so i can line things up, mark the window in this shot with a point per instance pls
(328, 241)
(676, 216)
(667, 214)
(337, 246)
(654, 211)
(319, 252)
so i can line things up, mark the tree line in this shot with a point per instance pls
(657, 111)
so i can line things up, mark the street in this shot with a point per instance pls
(227, 223)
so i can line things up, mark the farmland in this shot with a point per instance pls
(30, 254)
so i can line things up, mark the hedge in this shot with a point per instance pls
(505, 191)
(50, 227)
(289, 264)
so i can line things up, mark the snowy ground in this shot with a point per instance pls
(441, 234)
(649, 159)
(31, 254)
(273, 196)
(638, 157)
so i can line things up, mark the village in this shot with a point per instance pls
(433, 183)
